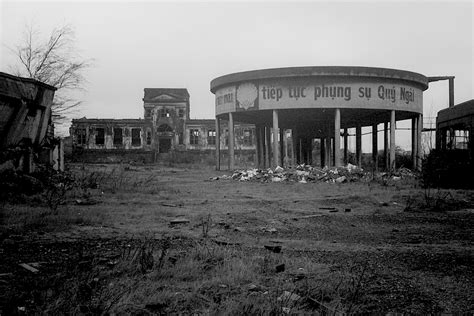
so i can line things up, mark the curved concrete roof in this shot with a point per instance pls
(321, 71)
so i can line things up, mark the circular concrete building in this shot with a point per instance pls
(319, 103)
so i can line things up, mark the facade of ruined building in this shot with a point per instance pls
(26, 126)
(165, 129)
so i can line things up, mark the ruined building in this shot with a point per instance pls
(165, 132)
(26, 128)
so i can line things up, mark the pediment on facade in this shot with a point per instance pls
(164, 97)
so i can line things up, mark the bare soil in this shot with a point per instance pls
(331, 248)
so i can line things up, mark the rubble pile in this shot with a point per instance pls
(302, 173)
(306, 173)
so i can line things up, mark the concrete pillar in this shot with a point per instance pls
(231, 142)
(267, 147)
(286, 158)
(385, 146)
(328, 152)
(218, 143)
(419, 151)
(300, 150)
(282, 147)
(346, 143)
(337, 138)
(295, 142)
(276, 147)
(375, 153)
(323, 151)
(261, 146)
(392, 140)
(414, 139)
(359, 145)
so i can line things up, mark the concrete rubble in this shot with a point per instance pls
(307, 174)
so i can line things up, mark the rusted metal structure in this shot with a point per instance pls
(455, 128)
(320, 103)
(25, 118)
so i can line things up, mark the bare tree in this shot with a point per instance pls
(54, 61)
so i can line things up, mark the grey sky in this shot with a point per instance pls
(187, 44)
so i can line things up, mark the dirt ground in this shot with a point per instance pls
(173, 240)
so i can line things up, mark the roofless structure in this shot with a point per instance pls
(320, 102)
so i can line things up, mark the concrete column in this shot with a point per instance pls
(385, 146)
(276, 147)
(295, 141)
(392, 140)
(346, 143)
(323, 151)
(337, 138)
(282, 147)
(359, 145)
(267, 147)
(293, 148)
(328, 152)
(300, 150)
(375, 153)
(414, 139)
(218, 143)
(261, 146)
(231, 142)
(419, 151)
(286, 158)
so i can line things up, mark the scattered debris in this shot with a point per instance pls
(306, 173)
(87, 201)
(254, 288)
(270, 230)
(225, 243)
(280, 268)
(288, 297)
(28, 267)
(171, 204)
(275, 249)
(177, 221)
(173, 260)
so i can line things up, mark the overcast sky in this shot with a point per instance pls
(137, 45)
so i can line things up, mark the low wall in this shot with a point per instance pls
(243, 158)
(111, 156)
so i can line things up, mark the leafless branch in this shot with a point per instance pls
(53, 61)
